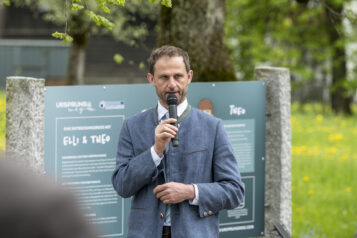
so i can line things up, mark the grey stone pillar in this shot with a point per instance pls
(25, 121)
(277, 149)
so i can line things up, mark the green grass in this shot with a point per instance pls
(2, 120)
(324, 164)
(324, 167)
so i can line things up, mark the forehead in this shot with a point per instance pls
(166, 64)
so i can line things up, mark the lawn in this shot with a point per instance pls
(324, 164)
(2, 120)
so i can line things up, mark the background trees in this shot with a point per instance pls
(306, 36)
(313, 38)
(198, 27)
(81, 18)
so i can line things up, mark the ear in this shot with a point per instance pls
(150, 78)
(190, 76)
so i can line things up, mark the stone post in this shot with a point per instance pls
(277, 149)
(25, 104)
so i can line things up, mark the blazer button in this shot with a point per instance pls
(161, 215)
(205, 214)
(210, 212)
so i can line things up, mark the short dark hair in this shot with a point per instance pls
(170, 51)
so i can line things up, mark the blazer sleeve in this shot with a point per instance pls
(132, 171)
(226, 191)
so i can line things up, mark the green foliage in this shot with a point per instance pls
(284, 33)
(63, 36)
(110, 14)
(324, 188)
(100, 20)
(166, 3)
(118, 58)
(76, 6)
(4, 2)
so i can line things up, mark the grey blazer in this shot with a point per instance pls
(204, 157)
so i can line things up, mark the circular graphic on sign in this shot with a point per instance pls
(102, 104)
(206, 106)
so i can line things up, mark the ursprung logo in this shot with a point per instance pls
(75, 106)
(234, 110)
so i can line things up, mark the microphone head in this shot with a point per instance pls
(171, 99)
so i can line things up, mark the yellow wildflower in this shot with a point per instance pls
(311, 192)
(319, 118)
(306, 178)
(298, 150)
(2, 106)
(2, 146)
(331, 150)
(335, 137)
(348, 189)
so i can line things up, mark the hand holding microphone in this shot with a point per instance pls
(167, 130)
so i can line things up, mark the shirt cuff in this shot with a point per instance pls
(195, 200)
(155, 157)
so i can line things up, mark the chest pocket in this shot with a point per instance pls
(194, 152)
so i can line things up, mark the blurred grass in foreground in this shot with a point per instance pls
(324, 164)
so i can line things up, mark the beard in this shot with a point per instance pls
(163, 97)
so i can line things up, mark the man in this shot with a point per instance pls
(32, 207)
(177, 191)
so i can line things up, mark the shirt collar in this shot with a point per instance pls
(161, 111)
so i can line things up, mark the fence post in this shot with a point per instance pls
(25, 121)
(277, 150)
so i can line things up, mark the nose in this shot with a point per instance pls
(171, 83)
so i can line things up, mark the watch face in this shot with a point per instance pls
(206, 106)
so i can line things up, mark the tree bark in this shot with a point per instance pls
(340, 99)
(197, 26)
(76, 64)
(2, 20)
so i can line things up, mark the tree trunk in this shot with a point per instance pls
(340, 100)
(76, 64)
(2, 20)
(197, 26)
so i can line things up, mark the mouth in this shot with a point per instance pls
(167, 93)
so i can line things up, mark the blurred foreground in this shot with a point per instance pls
(32, 207)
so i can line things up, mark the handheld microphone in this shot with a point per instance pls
(172, 103)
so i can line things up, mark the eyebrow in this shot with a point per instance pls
(163, 75)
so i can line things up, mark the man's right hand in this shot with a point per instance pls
(163, 134)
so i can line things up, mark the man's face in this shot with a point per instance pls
(170, 76)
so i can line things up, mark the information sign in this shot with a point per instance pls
(82, 125)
